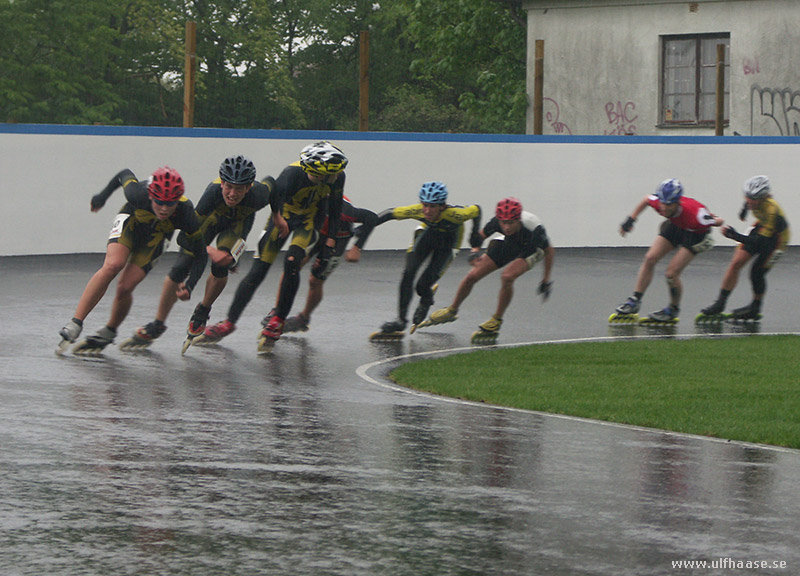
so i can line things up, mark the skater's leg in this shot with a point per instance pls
(740, 258)
(131, 276)
(482, 267)
(314, 296)
(511, 272)
(214, 287)
(247, 287)
(167, 300)
(673, 274)
(116, 257)
(290, 281)
(414, 260)
(658, 249)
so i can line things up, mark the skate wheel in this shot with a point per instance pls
(482, 337)
(187, 343)
(617, 318)
(62, 347)
(265, 345)
(655, 323)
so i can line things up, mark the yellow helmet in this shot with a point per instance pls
(322, 158)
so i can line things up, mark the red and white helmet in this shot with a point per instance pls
(508, 209)
(166, 185)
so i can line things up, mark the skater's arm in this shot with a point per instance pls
(368, 220)
(475, 238)
(401, 213)
(627, 226)
(123, 178)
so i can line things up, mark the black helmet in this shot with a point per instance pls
(237, 170)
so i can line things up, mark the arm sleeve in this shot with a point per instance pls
(368, 220)
(124, 177)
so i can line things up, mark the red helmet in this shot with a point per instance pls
(508, 209)
(166, 185)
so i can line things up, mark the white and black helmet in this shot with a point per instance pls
(322, 158)
(757, 188)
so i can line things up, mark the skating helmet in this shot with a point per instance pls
(757, 188)
(237, 170)
(508, 209)
(166, 185)
(322, 158)
(669, 191)
(433, 193)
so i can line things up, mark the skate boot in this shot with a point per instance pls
(93, 345)
(265, 320)
(711, 314)
(418, 319)
(392, 330)
(270, 334)
(488, 331)
(197, 326)
(444, 315)
(144, 336)
(69, 334)
(749, 313)
(626, 313)
(298, 323)
(215, 333)
(663, 317)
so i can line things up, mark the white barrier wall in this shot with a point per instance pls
(581, 187)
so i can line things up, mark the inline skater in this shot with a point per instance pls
(350, 215)
(301, 188)
(226, 211)
(439, 239)
(524, 243)
(766, 242)
(687, 229)
(153, 211)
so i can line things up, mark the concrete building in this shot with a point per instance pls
(648, 67)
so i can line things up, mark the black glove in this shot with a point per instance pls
(321, 263)
(627, 226)
(743, 212)
(98, 201)
(545, 288)
(730, 232)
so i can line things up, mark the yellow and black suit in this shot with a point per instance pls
(440, 240)
(137, 227)
(228, 224)
(299, 201)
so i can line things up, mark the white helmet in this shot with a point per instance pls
(757, 188)
(322, 158)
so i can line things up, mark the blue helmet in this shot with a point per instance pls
(433, 193)
(669, 191)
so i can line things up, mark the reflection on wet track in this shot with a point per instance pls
(224, 462)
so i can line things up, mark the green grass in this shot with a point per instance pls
(745, 388)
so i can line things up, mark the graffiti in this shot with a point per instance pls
(552, 119)
(621, 117)
(781, 106)
(750, 66)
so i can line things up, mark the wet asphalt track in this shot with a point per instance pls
(307, 461)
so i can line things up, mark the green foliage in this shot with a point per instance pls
(738, 388)
(451, 66)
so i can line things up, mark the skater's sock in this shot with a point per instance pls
(638, 295)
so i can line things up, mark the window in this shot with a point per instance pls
(689, 78)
